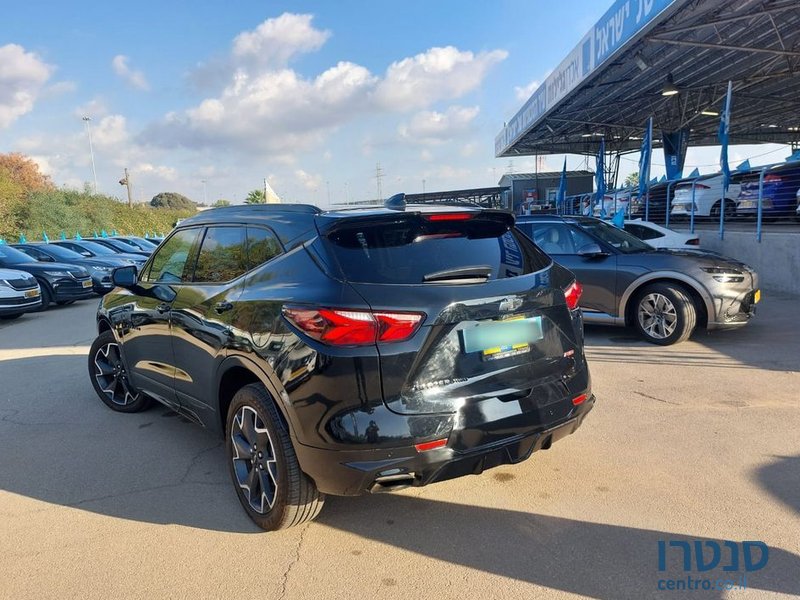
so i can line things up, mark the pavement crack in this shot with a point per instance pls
(195, 459)
(294, 561)
(643, 395)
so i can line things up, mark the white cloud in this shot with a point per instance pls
(438, 74)
(524, 92)
(110, 131)
(94, 108)
(265, 106)
(437, 127)
(22, 77)
(131, 76)
(277, 40)
(308, 181)
(159, 171)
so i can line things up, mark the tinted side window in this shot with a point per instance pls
(262, 245)
(222, 256)
(37, 254)
(169, 262)
(559, 238)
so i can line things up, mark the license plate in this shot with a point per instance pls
(87, 284)
(502, 339)
(32, 293)
(747, 204)
(757, 297)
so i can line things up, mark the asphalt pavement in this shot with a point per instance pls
(698, 442)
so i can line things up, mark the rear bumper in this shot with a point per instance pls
(354, 472)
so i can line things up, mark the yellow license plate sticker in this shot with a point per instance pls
(87, 284)
(31, 293)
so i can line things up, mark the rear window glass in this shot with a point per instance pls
(405, 252)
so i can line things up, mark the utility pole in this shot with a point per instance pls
(126, 181)
(265, 191)
(379, 174)
(91, 150)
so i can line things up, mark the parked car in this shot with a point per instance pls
(146, 245)
(660, 237)
(90, 249)
(349, 351)
(100, 269)
(657, 211)
(664, 294)
(59, 283)
(708, 198)
(120, 246)
(779, 194)
(19, 293)
(613, 202)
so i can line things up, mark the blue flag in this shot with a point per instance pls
(97, 235)
(745, 166)
(723, 135)
(22, 239)
(693, 174)
(63, 235)
(103, 233)
(78, 235)
(562, 186)
(114, 232)
(644, 160)
(600, 178)
(2, 241)
(618, 220)
(45, 238)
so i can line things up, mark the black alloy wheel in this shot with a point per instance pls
(110, 379)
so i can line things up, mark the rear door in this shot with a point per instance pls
(495, 320)
(597, 274)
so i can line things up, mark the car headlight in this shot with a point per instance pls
(725, 274)
(57, 273)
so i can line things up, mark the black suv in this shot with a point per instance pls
(349, 351)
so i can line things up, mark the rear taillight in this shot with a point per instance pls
(343, 327)
(700, 186)
(424, 447)
(579, 399)
(693, 242)
(772, 179)
(573, 295)
(454, 216)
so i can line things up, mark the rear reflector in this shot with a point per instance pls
(573, 295)
(430, 445)
(454, 216)
(579, 399)
(693, 242)
(344, 327)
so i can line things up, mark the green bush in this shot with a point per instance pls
(172, 200)
(70, 211)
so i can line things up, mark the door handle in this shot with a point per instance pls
(221, 307)
(163, 307)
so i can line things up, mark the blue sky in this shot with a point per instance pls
(311, 95)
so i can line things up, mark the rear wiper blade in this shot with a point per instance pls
(473, 272)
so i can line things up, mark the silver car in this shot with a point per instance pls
(664, 294)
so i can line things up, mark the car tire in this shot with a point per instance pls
(10, 317)
(47, 297)
(261, 456)
(664, 314)
(65, 302)
(730, 209)
(109, 377)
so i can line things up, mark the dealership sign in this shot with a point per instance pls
(621, 24)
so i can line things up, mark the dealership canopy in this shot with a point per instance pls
(672, 60)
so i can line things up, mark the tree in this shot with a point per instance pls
(172, 200)
(256, 197)
(24, 172)
(221, 202)
(632, 180)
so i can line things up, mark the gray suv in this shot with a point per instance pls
(664, 294)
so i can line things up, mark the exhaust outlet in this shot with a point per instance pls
(391, 483)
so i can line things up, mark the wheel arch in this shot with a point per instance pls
(233, 374)
(700, 296)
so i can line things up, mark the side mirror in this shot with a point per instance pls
(591, 251)
(124, 277)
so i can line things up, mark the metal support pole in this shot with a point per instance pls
(760, 203)
(668, 206)
(91, 150)
(691, 216)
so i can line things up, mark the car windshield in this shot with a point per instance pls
(122, 246)
(62, 254)
(618, 238)
(12, 256)
(98, 248)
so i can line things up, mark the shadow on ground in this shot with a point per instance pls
(781, 478)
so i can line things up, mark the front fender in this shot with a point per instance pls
(691, 282)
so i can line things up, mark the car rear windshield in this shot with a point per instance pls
(409, 251)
